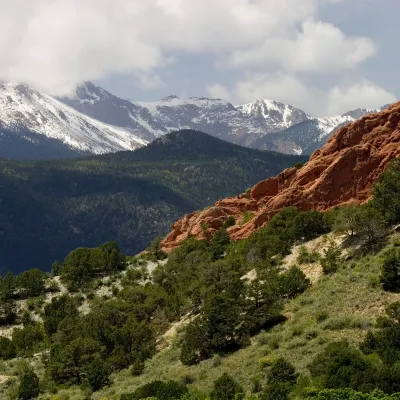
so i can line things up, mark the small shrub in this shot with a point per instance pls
(305, 257)
(321, 315)
(229, 222)
(390, 276)
(225, 388)
(29, 385)
(332, 259)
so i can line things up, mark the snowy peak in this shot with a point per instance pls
(23, 109)
(276, 115)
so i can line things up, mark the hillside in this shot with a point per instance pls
(342, 171)
(49, 208)
(305, 308)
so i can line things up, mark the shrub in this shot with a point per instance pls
(305, 257)
(386, 193)
(390, 276)
(294, 282)
(229, 222)
(332, 259)
(225, 388)
(31, 283)
(29, 385)
(7, 348)
(282, 371)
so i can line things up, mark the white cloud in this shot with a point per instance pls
(291, 90)
(318, 47)
(53, 44)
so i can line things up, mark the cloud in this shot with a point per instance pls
(53, 44)
(291, 90)
(317, 47)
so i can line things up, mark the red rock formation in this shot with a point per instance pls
(343, 171)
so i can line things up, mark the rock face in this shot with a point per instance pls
(342, 171)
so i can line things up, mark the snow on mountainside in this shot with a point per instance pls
(92, 120)
(23, 109)
(309, 135)
(97, 103)
(213, 116)
(275, 115)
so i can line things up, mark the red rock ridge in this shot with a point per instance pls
(342, 171)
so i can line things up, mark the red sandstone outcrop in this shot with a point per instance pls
(342, 171)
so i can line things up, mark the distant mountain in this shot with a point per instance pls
(308, 135)
(25, 113)
(94, 121)
(49, 208)
(275, 115)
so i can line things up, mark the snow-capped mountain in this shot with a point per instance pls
(308, 135)
(35, 116)
(275, 115)
(92, 120)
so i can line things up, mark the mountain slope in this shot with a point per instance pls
(344, 170)
(23, 109)
(308, 135)
(275, 115)
(49, 208)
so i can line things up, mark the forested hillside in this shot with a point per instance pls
(49, 208)
(304, 308)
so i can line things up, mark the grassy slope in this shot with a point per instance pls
(349, 301)
(342, 306)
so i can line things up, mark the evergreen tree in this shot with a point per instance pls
(29, 385)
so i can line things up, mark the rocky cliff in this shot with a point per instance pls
(342, 171)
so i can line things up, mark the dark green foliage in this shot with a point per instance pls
(169, 390)
(130, 197)
(56, 268)
(82, 265)
(309, 225)
(30, 283)
(29, 339)
(281, 379)
(386, 194)
(7, 349)
(229, 222)
(276, 391)
(154, 250)
(341, 366)
(29, 385)
(390, 277)
(97, 373)
(225, 388)
(59, 309)
(219, 243)
(293, 282)
(332, 259)
(282, 371)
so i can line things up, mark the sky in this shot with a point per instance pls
(323, 56)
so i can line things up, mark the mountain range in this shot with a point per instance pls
(34, 125)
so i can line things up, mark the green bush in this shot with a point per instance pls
(7, 349)
(332, 259)
(29, 385)
(225, 388)
(390, 275)
(305, 257)
(386, 193)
